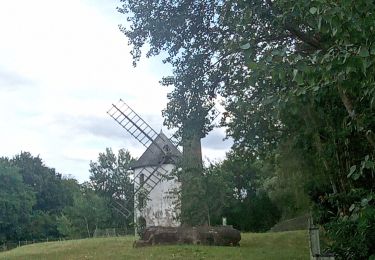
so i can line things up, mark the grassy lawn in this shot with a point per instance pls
(282, 245)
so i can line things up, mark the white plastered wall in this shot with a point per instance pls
(159, 209)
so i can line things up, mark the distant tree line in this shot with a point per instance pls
(36, 202)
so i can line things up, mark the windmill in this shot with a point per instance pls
(152, 203)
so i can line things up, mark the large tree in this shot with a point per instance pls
(88, 213)
(192, 97)
(45, 182)
(312, 92)
(297, 74)
(51, 194)
(110, 178)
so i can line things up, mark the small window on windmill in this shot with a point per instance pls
(166, 148)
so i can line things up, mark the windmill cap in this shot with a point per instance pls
(154, 153)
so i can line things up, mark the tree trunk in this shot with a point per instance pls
(192, 151)
(192, 198)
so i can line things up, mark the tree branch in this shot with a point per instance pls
(312, 41)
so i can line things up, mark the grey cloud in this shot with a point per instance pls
(11, 80)
(108, 128)
(99, 126)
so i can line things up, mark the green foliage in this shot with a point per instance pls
(65, 226)
(287, 183)
(353, 229)
(295, 73)
(191, 201)
(42, 225)
(109, 175)
(33, 196)
(88, 212)
(229, 189)
(45, 182)
(16, 202)
(316, 94)
(218, 192)
(207, 198)
(191, 99)
(254, 213)
(37, 203)
(248, 207)
(110, 178)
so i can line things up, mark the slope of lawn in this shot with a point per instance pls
(282, 245)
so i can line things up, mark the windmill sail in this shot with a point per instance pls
(132, 122)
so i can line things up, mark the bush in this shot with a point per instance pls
(256, 213)
(352, 233)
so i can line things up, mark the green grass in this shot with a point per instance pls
(282, 245)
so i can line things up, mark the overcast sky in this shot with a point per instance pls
(62, 65)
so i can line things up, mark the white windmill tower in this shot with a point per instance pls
(153, 183)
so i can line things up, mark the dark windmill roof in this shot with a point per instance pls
(154, 154)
